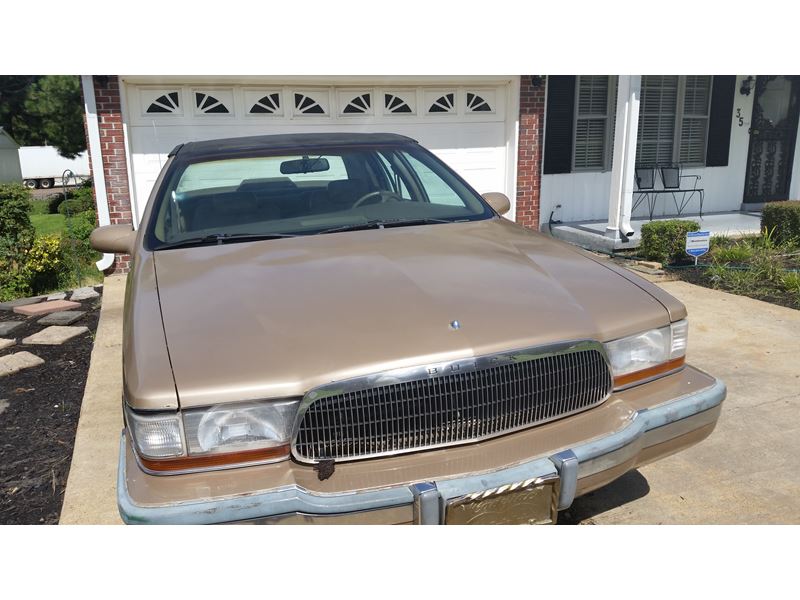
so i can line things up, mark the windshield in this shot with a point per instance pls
(315, 192)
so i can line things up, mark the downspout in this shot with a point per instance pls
(629, 170)
(96, 158)
(624, 158)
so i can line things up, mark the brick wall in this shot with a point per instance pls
(115, 169)
(529, 161)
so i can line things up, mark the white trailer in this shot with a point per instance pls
(43, 166)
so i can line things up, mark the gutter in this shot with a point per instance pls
(96, 158)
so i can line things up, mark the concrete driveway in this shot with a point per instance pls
(746, 472)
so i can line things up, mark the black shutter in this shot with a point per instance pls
(558, 136)
(723, 91)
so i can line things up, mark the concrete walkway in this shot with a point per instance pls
(746, 472)
(91, 497)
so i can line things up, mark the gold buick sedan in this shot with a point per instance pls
(336, 328)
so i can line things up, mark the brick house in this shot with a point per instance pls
(562, 148)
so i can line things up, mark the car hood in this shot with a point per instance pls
(275, 318)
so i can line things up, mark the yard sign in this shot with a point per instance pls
(697, 243)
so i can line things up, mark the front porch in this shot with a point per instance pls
(592, 234)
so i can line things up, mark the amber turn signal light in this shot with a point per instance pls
(210, 461)
(637, 376)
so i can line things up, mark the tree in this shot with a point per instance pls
(49, 113)
(13, 92)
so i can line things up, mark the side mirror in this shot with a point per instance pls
(117, 239)
(499, 202)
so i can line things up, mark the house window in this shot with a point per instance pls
(396, 105)
(694, 121)
(359, 105)
(206, 103)
(476, 103)
(168, 103)
(269, 104)
(443, 104)
(673, 119)
(595, 109)
(306, 105)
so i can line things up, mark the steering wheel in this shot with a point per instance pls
(385, 196)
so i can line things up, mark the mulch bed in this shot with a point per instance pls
(767, 292)
(37, 428)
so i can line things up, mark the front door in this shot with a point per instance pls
(773, 132)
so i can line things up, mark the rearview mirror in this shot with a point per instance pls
(117, 239)
(304, 165)
(499, 202)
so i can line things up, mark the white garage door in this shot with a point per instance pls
(464, 125)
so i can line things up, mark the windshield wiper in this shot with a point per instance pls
(381, 224)
(419, 221)
(354, 227)
(221, 238)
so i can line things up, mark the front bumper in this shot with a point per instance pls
(649, 433)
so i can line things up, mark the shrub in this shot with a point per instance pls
(40, 207)
(665, 241)
(782, 219)
(53, 202)
(82, 192)
(79, 227)
(44, 264)
(82, 225)
(74, 206)
(16, 238)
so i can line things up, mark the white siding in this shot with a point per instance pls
(584, 196)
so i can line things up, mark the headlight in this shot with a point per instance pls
(646, 355)
(216, 437)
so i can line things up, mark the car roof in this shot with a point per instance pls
(291, 141)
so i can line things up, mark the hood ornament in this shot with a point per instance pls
(455, 325)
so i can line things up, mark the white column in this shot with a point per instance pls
(624, 161)
(96, 158)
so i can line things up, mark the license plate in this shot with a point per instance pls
(531, 502)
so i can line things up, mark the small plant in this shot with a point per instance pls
(782, 219)
(44, 264)
(721, 241)
(665, 241)
(735, 253)
(791, 282)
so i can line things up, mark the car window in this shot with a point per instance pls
(395, 179)
(309, 193)
(226, 173)
(436, 188)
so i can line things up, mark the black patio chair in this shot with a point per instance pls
(645, 178)
(672, 178)
(645, 188)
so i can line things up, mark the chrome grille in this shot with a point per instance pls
(477, 401)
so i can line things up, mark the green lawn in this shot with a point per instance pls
(48, 224)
